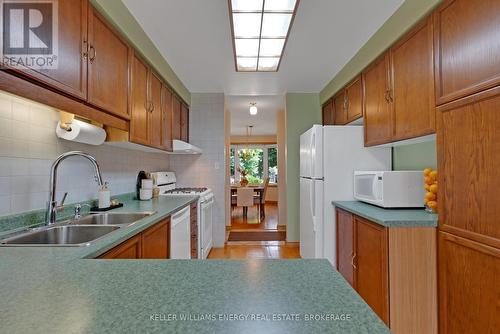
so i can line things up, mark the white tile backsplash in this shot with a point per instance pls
(206, 130)
(29, 145)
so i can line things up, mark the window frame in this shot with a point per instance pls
(265, 159)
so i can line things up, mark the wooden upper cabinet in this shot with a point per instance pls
(345, 245)
(140, 116)
(70, 76)
(108, 66)
(184, 122)
(376, 106)
(328, 113)
(412, 91)
(176, 117)
(339, 105)
(130, 249)
(467, 57)
(155, 241)
(469, 156)
(155, 121)
(469, 289)
(371, 263)
(166, 129)
(354, 100)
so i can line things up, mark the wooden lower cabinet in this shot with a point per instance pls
(469, 286)
(392, 269)
(370, 260)
(153, 243)
(194, 230)
(130, 249)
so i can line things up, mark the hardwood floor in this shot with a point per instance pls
(270, 222)
(256, 250)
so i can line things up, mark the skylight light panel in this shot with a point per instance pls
(271, 47)
(247, 5)
(260, 29)
(280, 5)
(247, 25)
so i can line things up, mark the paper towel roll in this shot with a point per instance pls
(82, 132)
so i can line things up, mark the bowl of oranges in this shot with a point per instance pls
(431, 190)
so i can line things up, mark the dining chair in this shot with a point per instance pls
(261, 202)
(244, 198)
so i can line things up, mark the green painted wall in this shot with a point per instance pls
(302, 111)
(118, 14)
(415, 156)
(409, 13)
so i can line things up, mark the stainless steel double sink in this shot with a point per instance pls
(75, 232)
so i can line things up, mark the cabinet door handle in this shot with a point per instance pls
(92, 54)
(391, 95)
(152, 108)
(85, 49)
(386, 96)
(352, 261)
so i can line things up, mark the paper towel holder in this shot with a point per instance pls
(65, 119)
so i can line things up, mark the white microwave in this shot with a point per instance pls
(390, 189)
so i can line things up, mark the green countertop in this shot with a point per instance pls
(62, 290)
(390, 217)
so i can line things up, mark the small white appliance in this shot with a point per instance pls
(329, 155)
(166, 181)
(180, 240)
(390, 189)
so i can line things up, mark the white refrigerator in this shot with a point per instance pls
(329, 155)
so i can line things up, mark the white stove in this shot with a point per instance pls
(166, 181)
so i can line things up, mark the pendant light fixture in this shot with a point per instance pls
(253, 109)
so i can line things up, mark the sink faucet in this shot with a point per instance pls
(52, 204)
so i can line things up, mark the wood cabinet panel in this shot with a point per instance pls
(376, 110)
(108, 66)
(70, 76)
(166, 114)
(345, 245)
(339, 105)
(130, 249)
(354, 92)
(328, 113)
(155, 120)
(467, 37)
(156, 241)
(469, 289)
(371, 263)
(412, 93)
(469, 157)
(176, 117)
(139, 122)
(184, 122)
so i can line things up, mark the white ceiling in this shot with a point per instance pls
(194, 37)
(264, 123)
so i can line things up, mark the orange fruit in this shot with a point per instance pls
(433, 205)
(427, 171)
(433, 175)
(430, 196)
(426, 201)
(427, 187)
(433, 188)
(428, 180)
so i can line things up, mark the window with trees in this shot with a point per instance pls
(257, 161)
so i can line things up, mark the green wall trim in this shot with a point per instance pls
(409, 13)
(302, 111)
(121, 18)
(415, 156)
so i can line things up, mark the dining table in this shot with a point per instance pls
(257, 188)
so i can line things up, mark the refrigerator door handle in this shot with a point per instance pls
(312, 197)
(312, 151)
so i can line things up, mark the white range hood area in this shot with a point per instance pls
(181, 147)
(178, 147)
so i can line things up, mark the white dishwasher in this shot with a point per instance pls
(180, 234)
